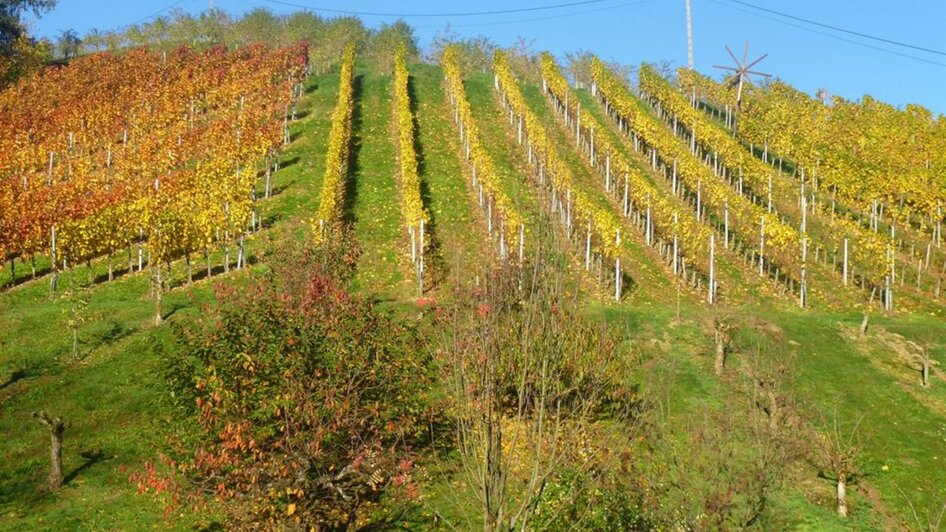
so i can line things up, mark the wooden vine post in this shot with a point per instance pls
(711, 292)
(617, 267)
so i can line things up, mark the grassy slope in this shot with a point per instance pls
(112, 397)
(832, 371)
(375, 207)
(457, 246)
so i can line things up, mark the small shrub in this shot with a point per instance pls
(307, 402)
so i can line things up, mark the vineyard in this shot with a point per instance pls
(147, 151)
(273, 293)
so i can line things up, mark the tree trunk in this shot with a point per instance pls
(56, 427)
(842, 496)
(926, 369)
(157, 296)
(52, 254)
(720, 353)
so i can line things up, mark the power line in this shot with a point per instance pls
(829, 35)
(837, 28)
(536, 19)
(456, 14)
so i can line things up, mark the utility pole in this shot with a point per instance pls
(689, 37)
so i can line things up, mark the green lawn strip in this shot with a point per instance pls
(384, 264)
(734, 284)
(458, 247)
(112, 395)
(897, 430)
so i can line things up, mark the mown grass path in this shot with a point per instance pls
(458, 250)
(374, 204)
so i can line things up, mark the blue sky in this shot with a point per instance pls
(632, 31)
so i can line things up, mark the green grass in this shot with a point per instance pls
(903, 440)
(375, 199)
(457, 248)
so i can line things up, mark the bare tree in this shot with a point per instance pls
(523, 60)
(723, 472)
(579, 67)
(722, 338)
(838, 453)
(867, 309)
(527, 376)
(767, 373)
(56, 428)
(925, 366)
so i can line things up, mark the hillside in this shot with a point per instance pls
(600, 204)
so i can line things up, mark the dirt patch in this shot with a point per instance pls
(905, 353)
(767, 327)
(877, 503)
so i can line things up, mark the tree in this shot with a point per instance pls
(95, 39)
(157, 32)
(838, 454)
(579, 67)
(306, 401)
(528, 377)
(11, 25)
(68, 43)
(56, 428)
(75, 316)
(475, 53)
(302, 25)
(259, 25)
(390, 37)
(722, 473)
(722, 339)
(19, 53)
(213, 27)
